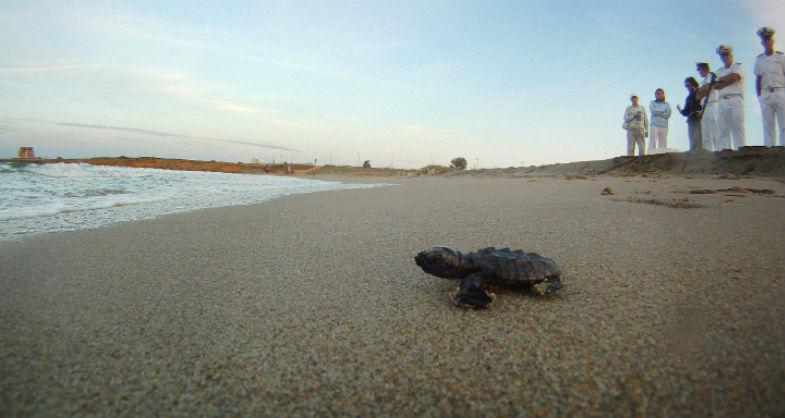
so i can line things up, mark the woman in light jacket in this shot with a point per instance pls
(660, 112)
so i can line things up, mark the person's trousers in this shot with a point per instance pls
(694, 133)
(710, 128)
(731, 121)
(635, 136)
(772, 104)
(658, 139)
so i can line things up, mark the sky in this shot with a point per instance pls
(399, 83)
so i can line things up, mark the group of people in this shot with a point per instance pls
(715, 108)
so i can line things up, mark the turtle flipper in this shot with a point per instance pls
(471, 293)
(546, 287)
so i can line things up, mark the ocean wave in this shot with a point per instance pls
(32, 212)
(67, 196)
(74, 170)
(96, 192)
(69, 170)
(53, 209)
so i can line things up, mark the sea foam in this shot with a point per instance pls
(37, 198)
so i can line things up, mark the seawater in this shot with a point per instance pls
(37, 198)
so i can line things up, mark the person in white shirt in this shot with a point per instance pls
(637, 125)
(730, 89)
(770, 86)
(710, 129)
(660, 111)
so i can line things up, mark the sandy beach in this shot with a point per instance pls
(312, 305)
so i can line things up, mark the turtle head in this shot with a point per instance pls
(442, 262)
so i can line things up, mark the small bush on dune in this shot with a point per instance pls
(458, 163)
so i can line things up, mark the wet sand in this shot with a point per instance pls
(312, 305)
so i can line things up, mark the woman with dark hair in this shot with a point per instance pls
(693, 111)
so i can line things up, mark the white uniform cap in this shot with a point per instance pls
(766, 32)
(702, 63)
(724, 49)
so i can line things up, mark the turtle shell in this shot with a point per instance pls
(516, 266)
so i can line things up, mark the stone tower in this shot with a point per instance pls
(26, 152)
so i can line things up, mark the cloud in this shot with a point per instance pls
(44, 69)
(132, 27)
(119, 128)
(172, 135)
(153, 81)
(254, 144)
(233, 107)
(185, 86)
(218, 42)
(197, 94)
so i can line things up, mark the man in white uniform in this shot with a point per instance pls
(770, 86)
(710, 128)
(730, 89)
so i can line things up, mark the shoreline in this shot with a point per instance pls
(312, 305)
(747, 161)
(350, 183)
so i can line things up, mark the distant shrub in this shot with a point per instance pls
(367, 164)
(432, 170)
(458, 163)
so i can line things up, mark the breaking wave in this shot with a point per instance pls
(38, 198)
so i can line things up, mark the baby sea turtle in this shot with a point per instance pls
(490, 265)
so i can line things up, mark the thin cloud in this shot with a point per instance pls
(44, 69)
(120, 128)
(213, 41)
(173, 135)
(195, 94)
(142, 28)
(233, 107)
(155, 81)
(254, 144)
(184, 86)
